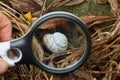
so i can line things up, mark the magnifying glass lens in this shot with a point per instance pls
(63, 43)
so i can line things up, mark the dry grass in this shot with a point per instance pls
(102, 64)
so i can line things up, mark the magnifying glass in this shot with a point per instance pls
(64, 39)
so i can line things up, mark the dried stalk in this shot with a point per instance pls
(6, 7)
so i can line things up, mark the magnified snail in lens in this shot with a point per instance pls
(64, 40)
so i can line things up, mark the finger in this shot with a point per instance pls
(3, 66)
(5, 28)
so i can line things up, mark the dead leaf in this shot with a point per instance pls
(57, 3)
(25, 5)
(83, 75)
(115, 7)
(102, 1)
(74, 2)
(53, 23)
(92, 20)
(40, 2)
(68, 76)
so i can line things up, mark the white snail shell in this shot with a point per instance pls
(55, 42)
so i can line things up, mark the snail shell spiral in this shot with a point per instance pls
(55, 42)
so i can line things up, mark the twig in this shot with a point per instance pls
(4, 9)
(44, 73)
(103, 72)
(117, 28)
(4, 12)
(18, 26)
(11, 10)
(43, 8)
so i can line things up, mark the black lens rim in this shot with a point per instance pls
(67, 15)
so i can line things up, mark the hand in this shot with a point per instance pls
(5, 35)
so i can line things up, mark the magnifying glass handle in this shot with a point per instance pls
(17, 51)
(12, 51)
(4, 47)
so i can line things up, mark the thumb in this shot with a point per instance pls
(5, 28)
(3, 66)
